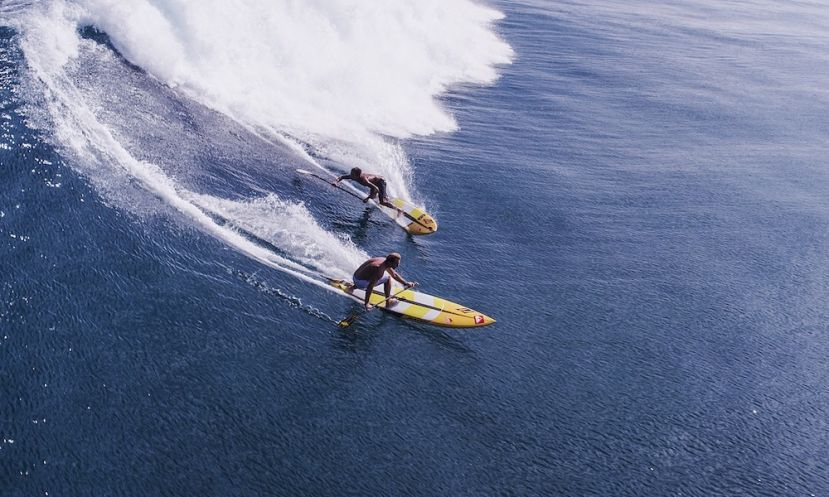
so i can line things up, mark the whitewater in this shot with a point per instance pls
(336, 84)
(641, 200)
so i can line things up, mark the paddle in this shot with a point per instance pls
(346, 190)
(349, 320)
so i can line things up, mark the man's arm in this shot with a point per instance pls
(340, 178)
(399, 278)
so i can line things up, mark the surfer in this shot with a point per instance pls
(380, 270)
(376, 183)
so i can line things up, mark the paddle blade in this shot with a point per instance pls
(346, 322)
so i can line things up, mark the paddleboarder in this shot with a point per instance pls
(380, 270)
(376, 183)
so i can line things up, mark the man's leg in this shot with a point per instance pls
(384, 199)
(391, 301)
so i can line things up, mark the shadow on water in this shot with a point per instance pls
(359, 336)
(357, 229)
(438, 336)
(360, 234)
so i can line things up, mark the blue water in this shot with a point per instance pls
(640, 201)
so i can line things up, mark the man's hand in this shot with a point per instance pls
(410, 284)
(368, 307)
(365, 200)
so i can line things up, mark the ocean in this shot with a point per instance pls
(636, 192)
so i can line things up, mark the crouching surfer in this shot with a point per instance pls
(380, 270)
(375, 183)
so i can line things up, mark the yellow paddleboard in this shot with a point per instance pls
(414, 219)
(420, 306)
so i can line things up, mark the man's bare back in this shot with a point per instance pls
(379, 270)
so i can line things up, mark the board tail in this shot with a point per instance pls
(415, 220)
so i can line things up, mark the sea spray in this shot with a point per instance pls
(289, 227)
(116, 173)
(344, 80)
(348, 77)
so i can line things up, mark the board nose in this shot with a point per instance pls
(483, 320)
(422, 229)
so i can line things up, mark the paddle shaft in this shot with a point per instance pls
(348, 321)
(346, 190)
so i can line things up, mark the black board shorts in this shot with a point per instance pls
(381, 187)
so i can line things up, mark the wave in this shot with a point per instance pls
(339, 68)
(338, 82)
(126, 180)
(348, 77)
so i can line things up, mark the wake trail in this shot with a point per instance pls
(293, 242)
(339, 83)
(92, 140)
(291, 300)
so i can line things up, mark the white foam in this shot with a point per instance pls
(347, 77)
(114, 171)
(339, 68)
(288, 226)
(332, 72)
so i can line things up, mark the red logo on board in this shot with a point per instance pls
(479, 319)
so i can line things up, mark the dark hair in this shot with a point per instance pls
(356, 171)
